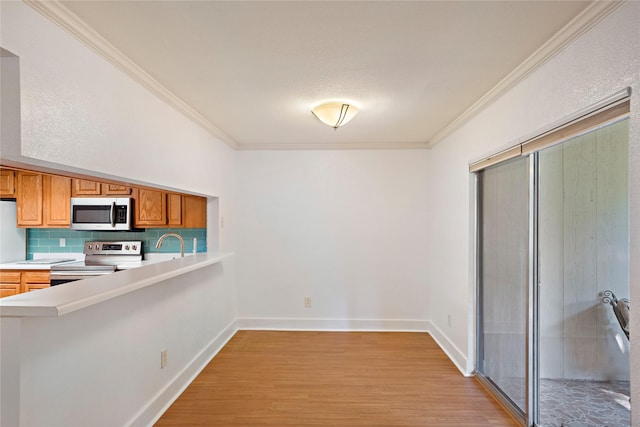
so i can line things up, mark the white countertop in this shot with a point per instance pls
(149, 258)
(28, 265)
(69, 297)
(18, 266)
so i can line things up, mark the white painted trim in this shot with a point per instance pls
(450, 349)
(336, 146)
(607, 102)
(364, 325)
(58, 13)
(157, 406)
(369, 325)
(582, 23)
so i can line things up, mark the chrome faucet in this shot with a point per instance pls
(176, 235)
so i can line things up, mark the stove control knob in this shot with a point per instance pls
(134, 247)
(126, 247)
(89, 247)
(97, 247)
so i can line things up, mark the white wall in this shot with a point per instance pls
(376, 239)
(602, 62)
(100, 366)
(346, 228)
(82, 114)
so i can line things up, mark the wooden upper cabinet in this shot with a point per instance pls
(57, 201)
(194, 212)
(150, 208)
(116, 190)
(174, 210)
(85, 187)
(43, 200)
(29, 198)
(7, 183)
(158, 209)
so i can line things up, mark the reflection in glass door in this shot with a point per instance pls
(502, 293)
(583, 252)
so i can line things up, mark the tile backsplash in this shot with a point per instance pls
(47, 240)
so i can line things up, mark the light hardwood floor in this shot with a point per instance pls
(267, 378)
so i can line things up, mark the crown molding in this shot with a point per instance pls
(334, 146)
(582, 23)
(62, 16)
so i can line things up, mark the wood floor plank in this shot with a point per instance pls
(274, 378)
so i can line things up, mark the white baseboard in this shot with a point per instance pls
(161, 402)
(450, 349)
(291, 324)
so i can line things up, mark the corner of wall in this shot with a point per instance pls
(450, 349)
(165, 397)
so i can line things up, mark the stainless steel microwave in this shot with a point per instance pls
(102, 213)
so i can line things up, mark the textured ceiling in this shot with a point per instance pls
(254, 69)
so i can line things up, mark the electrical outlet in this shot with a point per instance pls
(163, 358)
(63, 242)
(307, 302)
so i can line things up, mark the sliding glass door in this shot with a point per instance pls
(553, 274)
(503, 257)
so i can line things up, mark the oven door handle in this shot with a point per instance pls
(112, 215)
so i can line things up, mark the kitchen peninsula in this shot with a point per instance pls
(73, 351)
(67, 298)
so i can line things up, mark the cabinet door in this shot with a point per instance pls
(9, 283)
(194, 212)
(7, 183)
(150, 207)
(57, 201)
(85, 187)
(174, 209)
(34, 280)
(29, 199)
(8, 289)
(115, 190)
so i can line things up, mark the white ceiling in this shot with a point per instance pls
(254, 69)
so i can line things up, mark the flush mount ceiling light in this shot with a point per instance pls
(335, 113)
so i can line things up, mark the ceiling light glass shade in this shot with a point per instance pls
(335, 114)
